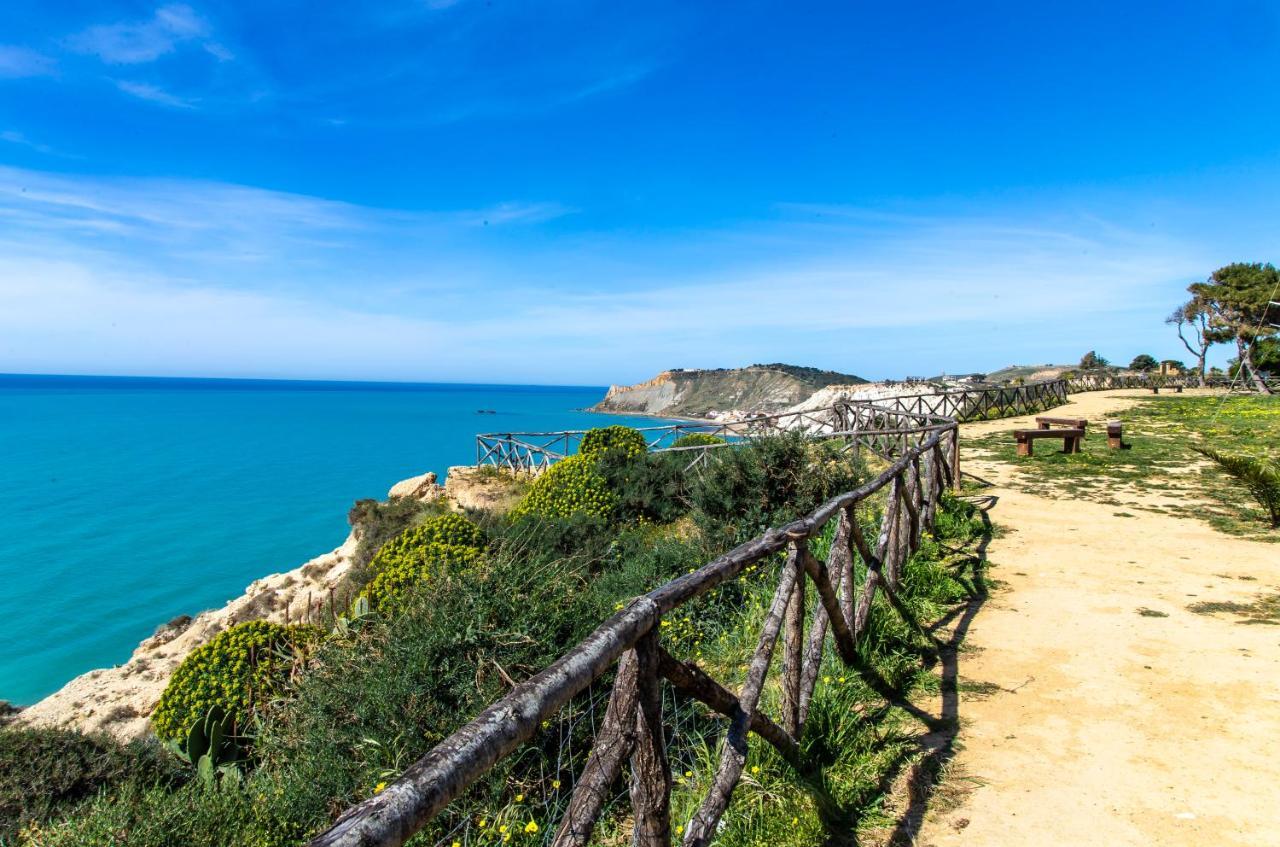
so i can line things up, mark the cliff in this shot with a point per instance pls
(118, 701)
(707, 393)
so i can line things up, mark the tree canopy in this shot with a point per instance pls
(1092, 360)
(1143, 362)
(1238, 300)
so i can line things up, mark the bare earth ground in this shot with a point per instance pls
(1095, 707)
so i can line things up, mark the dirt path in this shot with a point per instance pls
(1095, 706)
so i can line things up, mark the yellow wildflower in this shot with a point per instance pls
(377, 789)
(531, 827)
(519, 798)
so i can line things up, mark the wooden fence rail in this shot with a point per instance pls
(631, 640)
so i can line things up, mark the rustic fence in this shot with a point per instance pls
(633, 725)
(875, 425)
(855, 421)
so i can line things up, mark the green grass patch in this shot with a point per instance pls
(1161, 464)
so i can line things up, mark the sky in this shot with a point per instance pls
(579, 192)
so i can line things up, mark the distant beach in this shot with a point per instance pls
(125, 502)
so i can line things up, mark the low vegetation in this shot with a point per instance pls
(1164, 469)
(404, 668)
(1260, 475)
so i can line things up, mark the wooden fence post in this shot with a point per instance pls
(793, 645)
(955, 459)
(650, 770)
(614, 742)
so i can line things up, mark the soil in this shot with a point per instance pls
(1121, 685)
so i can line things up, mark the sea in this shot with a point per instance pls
(126, 501)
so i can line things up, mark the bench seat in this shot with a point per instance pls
(1071, 439)
(1070, 423)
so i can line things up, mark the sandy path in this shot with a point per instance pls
(1110, 726)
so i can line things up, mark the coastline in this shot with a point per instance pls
(118, 701)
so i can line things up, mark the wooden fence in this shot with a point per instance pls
(633, 726)
(874, 425)
(861, 424)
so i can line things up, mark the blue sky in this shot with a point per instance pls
(588, 192)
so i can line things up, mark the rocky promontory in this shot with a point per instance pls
(713, 393)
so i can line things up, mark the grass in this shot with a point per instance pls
(1264, 610)
(1162, 472)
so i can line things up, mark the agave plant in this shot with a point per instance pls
(212, 747)
(1258, 474)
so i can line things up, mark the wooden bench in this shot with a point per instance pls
(1115, 435)
(1070, 423)
(1071, 439)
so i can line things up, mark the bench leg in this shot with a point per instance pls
(1024, 448)
(1114, 443)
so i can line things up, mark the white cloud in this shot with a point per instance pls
(11, 136)
(129, 275)
(20, 62)
(153, 94)
(135, 42)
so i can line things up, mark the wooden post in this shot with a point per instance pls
(793, 646)
(614, 742)
(692, 681)
(733, 754)
(650, 770)
(955, 459)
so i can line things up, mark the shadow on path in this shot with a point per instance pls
(938, 745)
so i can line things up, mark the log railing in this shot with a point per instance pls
(905, 496)
(873, 424)
(885, 430)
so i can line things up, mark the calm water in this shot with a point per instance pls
(125, 502)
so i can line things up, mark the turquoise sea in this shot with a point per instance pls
(127, 501)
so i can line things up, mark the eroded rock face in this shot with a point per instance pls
(484, 488)
(118, 701)
(696, 393)
(422, 487)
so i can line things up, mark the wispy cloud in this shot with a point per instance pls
(135, 42)
(153, 94)
(19, 62)
(11, 136)
(143, 271)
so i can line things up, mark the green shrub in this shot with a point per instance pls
(624, 440)
(394, 580)
(377, 522)
(768, 482)
(649, 488)
(242, 669)
(444, 541)
(697, 439)
(572, 486)
(45, 771)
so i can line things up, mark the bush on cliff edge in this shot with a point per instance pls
(241, 670)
